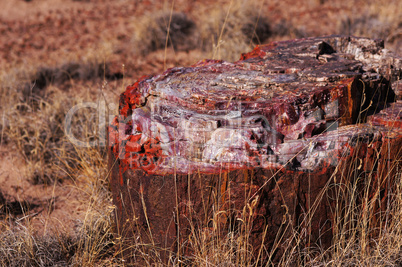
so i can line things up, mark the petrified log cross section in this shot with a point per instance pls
(266, 131)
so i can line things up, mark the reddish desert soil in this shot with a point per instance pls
(48, 208)
(51, 32)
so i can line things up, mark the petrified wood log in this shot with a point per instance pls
(258, 138)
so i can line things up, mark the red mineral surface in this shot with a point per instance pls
(268, 131)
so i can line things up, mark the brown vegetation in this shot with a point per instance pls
(55, 205)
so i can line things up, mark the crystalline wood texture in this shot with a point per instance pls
(252, 145)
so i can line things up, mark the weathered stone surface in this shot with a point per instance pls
(267, 132)
(397, 87)
(390, 116)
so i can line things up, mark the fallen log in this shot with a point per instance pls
(260, 138)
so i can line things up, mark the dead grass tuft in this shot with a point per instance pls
(367, 25)
(92, 246)
(19, 248)
(378, 20)
(232, 29)
(96, 241)
(12, 208)
(226, 33)
(34, 119)
(64, 76)
(40, 137)
(164, 29)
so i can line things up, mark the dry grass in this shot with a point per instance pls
(33, 105)
(164, 29)
(238, 27)
(224, 33)
(35, 124)
(378, 19)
